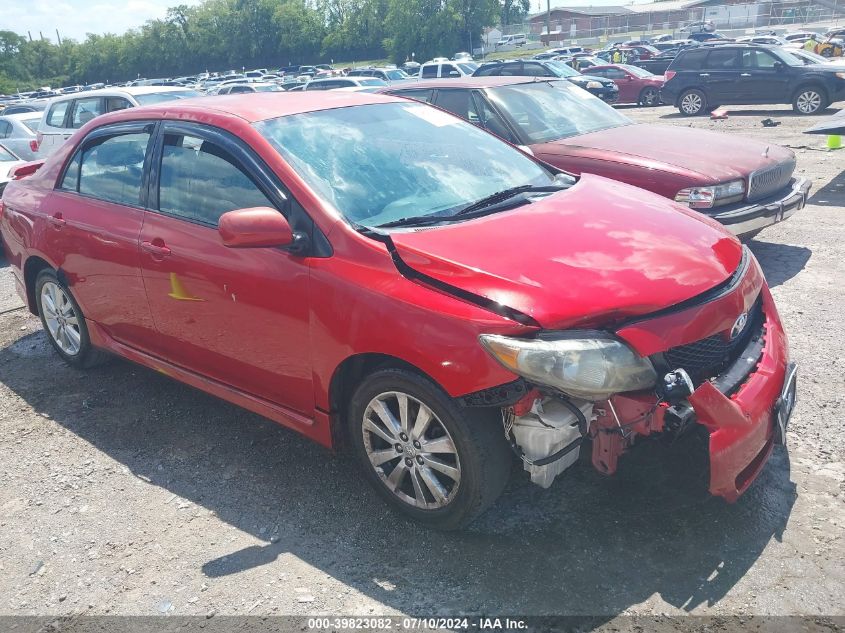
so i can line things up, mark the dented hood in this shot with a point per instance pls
(598, 252)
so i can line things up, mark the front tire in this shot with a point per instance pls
(809, 100)
(429, 458)
(692, 102)
(64, 322)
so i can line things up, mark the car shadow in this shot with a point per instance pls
(784, 111)
(780, 262)
(831, 194)
(587, 545)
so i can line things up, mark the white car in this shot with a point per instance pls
(18, 134)
(64, 115)
(8, 162)
(333, 83)
(436, 69)
(256, 86)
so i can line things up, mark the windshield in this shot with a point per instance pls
(787, 58)
(636, 70)
(384, 162)
(468, 67)
(7, 156)
(561, 69)
(267, 88)
(395, 75)
(371, 81)
(548, 110)
(158, 97)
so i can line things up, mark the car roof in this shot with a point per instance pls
(469, 82)
(21, 116)
(251, 107)
(119, 92)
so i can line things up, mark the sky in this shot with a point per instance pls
(75, 18)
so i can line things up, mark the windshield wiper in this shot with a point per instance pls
(485, 204)
(505, 194)
(422, 220)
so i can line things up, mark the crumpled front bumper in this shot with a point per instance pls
(750, 218)
(744, 426)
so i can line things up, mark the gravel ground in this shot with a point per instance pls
(124, 492)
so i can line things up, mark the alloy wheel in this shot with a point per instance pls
(649, 97)
(692, 103)
(61, 318)
(808, 102)
(411, 450)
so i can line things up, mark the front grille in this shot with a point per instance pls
(709, 357)
(764, 182)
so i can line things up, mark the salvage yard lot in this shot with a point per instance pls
(124, 492)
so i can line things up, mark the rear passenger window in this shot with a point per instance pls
(200, 181)
(85, 110)
(722, 59)
(445, 69)
(690, 60)
(429, 71)
(457, 102)
(56, 115)
(111, 169)
(487, 71)
(510, 70)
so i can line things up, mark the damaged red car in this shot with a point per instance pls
(374, 272)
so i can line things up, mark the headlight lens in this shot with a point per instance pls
(593, 85)
(582, 366)
(711, 196)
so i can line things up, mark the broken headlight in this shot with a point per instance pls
(580, 364)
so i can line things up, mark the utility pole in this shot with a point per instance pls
(58, 37)
(549, 22)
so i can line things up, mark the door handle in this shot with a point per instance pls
(745, 74)
(704, 75)
(57, 220)
(156, 248)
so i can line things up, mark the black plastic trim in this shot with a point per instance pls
(500, 396)
(488, 304)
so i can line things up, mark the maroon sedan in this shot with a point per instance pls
(636, 85)
(742, 183)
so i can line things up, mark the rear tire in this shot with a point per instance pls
(64, 322)
(649, 97)
(810, 100)
(438, 463)
(692, 102)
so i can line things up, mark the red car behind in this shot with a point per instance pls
(635, 84)
(373, 271)
(742, 183)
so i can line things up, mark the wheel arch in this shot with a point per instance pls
(811, 83)
(31, 268)
(349, 374)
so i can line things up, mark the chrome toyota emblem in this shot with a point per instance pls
(739, 325)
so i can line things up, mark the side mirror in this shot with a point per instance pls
(778, 66)
(253, 228)
(453, 73)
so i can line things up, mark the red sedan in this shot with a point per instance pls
(635, 84)
(374, 269)
(745, 184)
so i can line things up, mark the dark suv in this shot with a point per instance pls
(701, 79)
(604, 89)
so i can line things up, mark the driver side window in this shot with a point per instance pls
(200, 181)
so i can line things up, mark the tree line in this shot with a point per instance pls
(230, 34)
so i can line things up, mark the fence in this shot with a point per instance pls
(568, 25)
